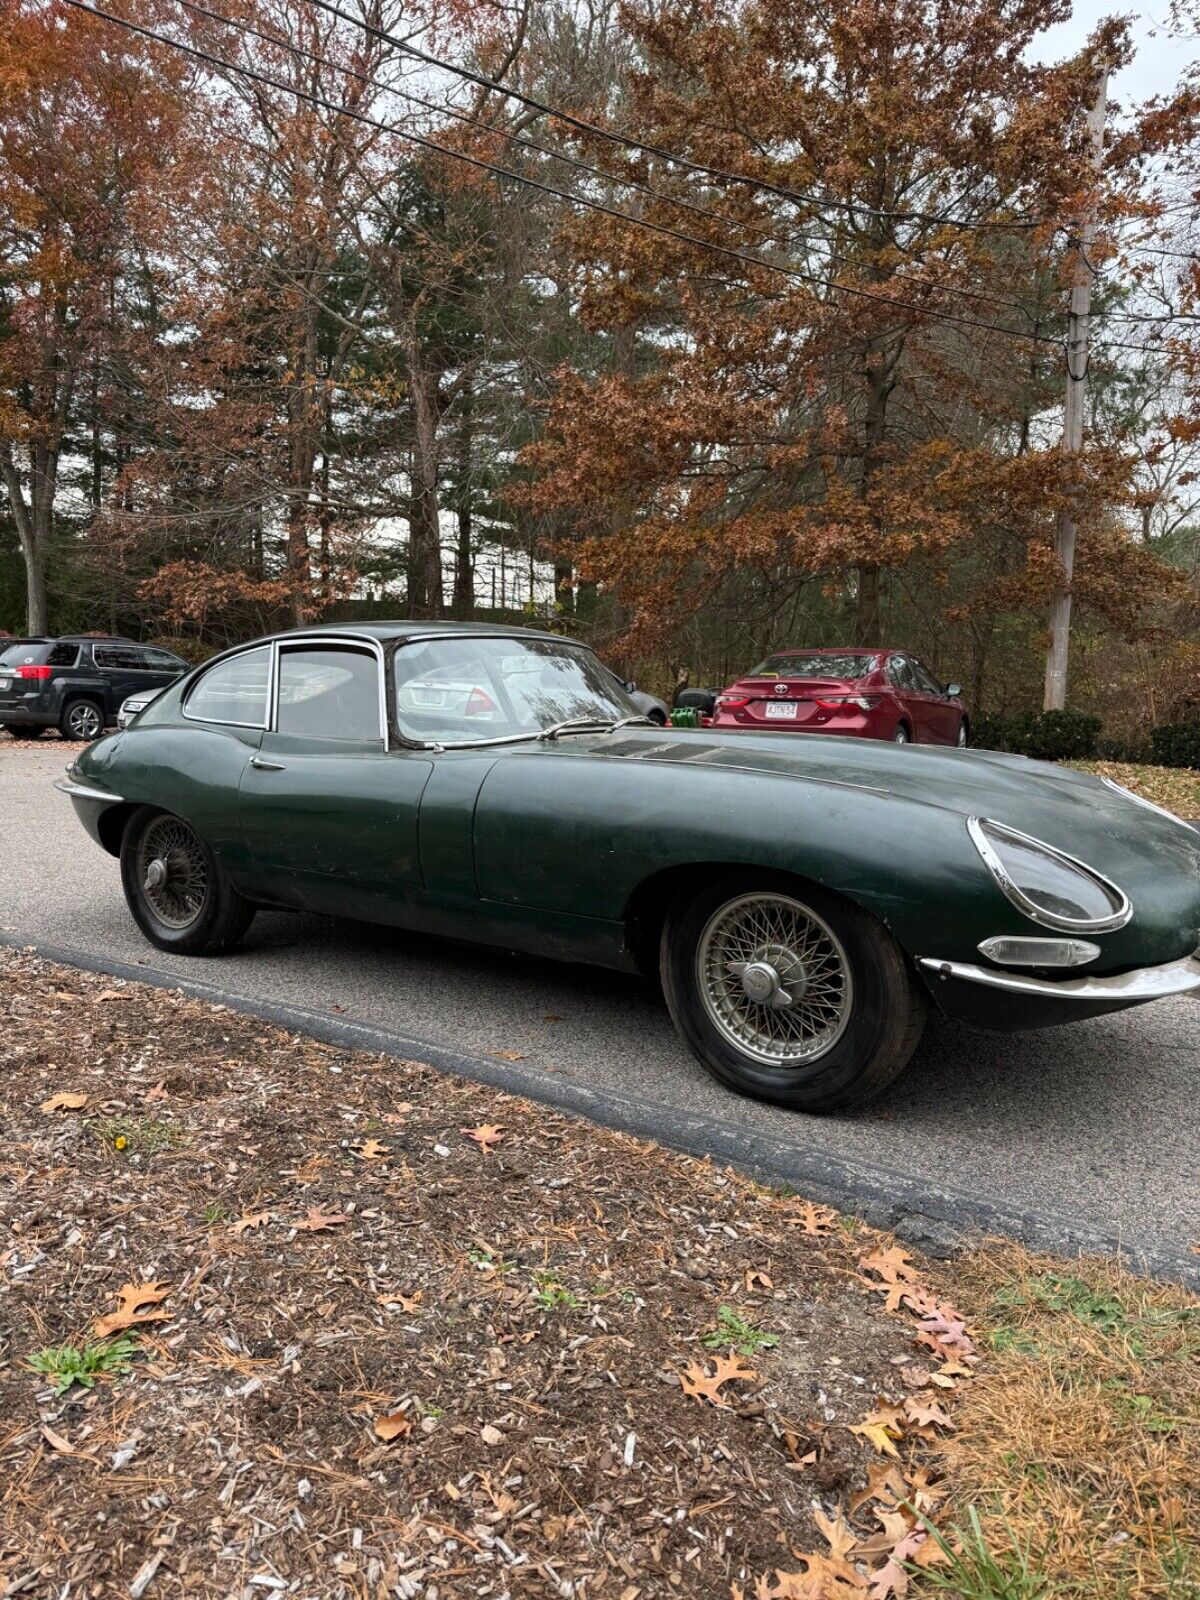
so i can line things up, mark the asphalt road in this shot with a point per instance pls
(1089, 1132)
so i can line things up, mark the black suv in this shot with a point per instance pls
(76, 684)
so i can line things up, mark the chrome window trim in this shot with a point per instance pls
(363, 644)
(227, 722)
(1028, 907)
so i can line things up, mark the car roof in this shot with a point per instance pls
(411, 628)
(834, 650)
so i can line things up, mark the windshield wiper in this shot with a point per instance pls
(576, 725)
(634, 722)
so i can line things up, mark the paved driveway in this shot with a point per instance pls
(1086, 1132)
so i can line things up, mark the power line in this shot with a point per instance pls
(629, 143)
(645, 223)
(780, 237)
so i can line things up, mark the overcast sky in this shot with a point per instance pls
(1159, 60)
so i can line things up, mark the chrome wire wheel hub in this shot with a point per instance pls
(774, 979)
(173, 872)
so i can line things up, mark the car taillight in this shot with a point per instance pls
(733, 700)
(34, 672)
(479, 704)
(835, 702)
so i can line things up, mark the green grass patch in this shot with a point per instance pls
(66, 1364)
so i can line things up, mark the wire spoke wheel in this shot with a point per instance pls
(774, 979)
(172, 870)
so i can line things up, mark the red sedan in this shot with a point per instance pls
(864, 694)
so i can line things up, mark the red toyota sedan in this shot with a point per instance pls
(864, 694)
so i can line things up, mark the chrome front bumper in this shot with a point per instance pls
(1148, 983)
(80, 791)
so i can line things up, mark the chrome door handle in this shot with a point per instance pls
(264, 765)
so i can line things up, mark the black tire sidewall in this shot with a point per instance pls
(64, 722)
(217, 924)
(886, 1010)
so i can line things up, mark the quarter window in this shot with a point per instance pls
(328, 692)
(63, 655)
(234, 690)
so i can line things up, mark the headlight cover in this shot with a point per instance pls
(1045, 884)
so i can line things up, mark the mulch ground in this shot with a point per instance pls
(398, 1334)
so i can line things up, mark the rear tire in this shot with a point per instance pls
(21, 730)
(901, 735)
(855, 1014)
(180, 895)
(81, 721)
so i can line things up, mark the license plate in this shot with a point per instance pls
(781, 710)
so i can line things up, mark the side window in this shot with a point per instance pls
(328, 692)
(122, 657)
(901, 673)
(926, 681)
(63, 655)
(233, 691)
(161, 661)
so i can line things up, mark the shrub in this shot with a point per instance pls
(1045, 735)
(1176, 744)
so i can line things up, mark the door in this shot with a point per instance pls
(904, 680)
(328, 813)
(120, 669)
(942, 715)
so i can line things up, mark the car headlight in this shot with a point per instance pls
(1047, 885)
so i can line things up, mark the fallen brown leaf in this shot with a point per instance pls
(371, 1150)
(64, 1102)
(406, 1302)
(817, 1221)
(318, 1221)
(252, 1220)
(702, 1386)
(507, 1055)
(133, 1300)
(393, 1427)
(112, 994)
(487, 1136)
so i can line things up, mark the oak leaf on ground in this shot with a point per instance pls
(392, 1427)
(134, 1301)
(702, 1386)
(318, 1221)
(371, 1150)
(817, 1221)
(893, 1265)
(487, 1136)
(882, 1428)
(252, 1220)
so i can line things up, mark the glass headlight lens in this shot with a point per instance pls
(1048, 886)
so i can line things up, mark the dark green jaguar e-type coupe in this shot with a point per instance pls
(805, 899)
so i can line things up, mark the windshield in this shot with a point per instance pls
(816, 664)
(465, 691)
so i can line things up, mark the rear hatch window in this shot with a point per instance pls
(45, 653)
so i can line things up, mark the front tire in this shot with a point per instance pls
(852, 1015)
(180, 895)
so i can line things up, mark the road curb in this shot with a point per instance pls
(938, 1218)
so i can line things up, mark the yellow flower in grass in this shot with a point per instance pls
(120, 1142)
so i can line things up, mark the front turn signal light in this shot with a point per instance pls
(1018, 952)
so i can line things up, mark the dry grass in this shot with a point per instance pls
(1081, 1436)
(1176, 788)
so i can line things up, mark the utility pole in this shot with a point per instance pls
(1072, 441)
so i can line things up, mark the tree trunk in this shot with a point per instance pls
(868, 620)
(463, 603)
(424, 534)
(34, 519)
